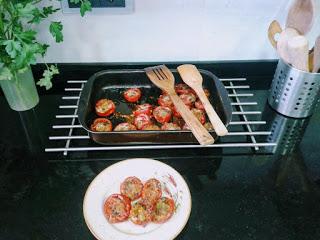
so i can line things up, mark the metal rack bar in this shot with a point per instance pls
(261, 133)
(253, 139)
(146, 147)
(72, 123)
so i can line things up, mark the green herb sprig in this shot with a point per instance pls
(19, 47)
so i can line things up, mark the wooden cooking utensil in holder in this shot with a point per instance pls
(192, 77)
(163, 78)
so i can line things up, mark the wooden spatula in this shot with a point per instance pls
(316, 56)
(274, 28)
(192, 77)
(282, 44)
(301, 15)
(298, 49)
(163, 78)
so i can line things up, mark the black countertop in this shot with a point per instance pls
(243, 195)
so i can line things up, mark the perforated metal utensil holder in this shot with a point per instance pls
(294, 93)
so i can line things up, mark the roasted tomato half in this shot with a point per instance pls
(200, 115)
(150, 127)
(151, 191)
(101, 125)
(162, 114)
(170, 127)
(163, 210)
(132, 95)
(125, 127)
(105, 107)
(188, 98)
(165, 101)
(140, 214)
(142, 120)
(198, 104)
(131, 187)
(117, 208)
(182, 88)
(145, 108)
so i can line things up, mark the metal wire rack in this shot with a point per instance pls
(73, 133)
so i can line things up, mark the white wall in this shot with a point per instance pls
(172, 30)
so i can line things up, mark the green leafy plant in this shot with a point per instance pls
(19, 47)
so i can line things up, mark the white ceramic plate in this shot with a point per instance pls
(108, 182)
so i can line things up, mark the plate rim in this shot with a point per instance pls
(121, 162)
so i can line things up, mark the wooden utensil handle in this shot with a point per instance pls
(215, 120)
(199, 131)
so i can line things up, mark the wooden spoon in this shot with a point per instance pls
(274, 28)
(192, 77)
(301, 15)
(316, 56)
(163, 78)
(298, 49)
(282, 44)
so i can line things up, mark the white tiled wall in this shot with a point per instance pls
(172, 30)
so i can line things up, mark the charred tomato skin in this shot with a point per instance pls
(132, 95)
(105, 107)
(101, 125)
(117, 208)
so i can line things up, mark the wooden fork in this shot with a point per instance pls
(163, 78)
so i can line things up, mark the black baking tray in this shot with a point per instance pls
(112, 83)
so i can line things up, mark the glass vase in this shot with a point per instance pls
(21, 92)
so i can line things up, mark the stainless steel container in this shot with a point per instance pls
(294, 93)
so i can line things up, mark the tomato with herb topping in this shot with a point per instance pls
(151, 191)
(132, 95)
(145, 108)
(101, 125)
(165, 101)
(105, 107)
(131, 187)
(162, 114)
(140, 214)
(122, 127)
(117, 208)
(163, 210)
(142, 120)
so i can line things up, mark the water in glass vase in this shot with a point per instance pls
(21, 93)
